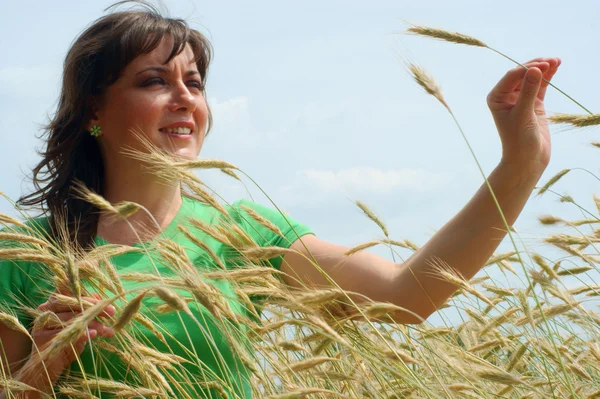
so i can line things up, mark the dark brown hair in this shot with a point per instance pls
(95, 61)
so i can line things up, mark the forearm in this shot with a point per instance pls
(35, 376)
(467, 241)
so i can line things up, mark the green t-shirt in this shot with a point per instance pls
(26, 282)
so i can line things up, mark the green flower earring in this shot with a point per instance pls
(95, 131)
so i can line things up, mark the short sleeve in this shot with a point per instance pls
(12, 288)
(21, 284)
(290, 228)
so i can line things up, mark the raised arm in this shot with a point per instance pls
(468, 240)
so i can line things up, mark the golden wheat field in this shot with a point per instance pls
(537, 339)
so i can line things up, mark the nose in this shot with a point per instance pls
(182, 99)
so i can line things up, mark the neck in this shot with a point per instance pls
(162, 200)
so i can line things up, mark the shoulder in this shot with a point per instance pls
(32, 236)
(22, 282)
(239, 211)
(270, 225)
(38, 227)
(267, 225)
(248, 212)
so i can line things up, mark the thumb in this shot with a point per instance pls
(529, 90)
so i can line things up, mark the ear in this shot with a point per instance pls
(91, 122)
(92, 114)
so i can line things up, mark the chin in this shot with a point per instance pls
(187, 153)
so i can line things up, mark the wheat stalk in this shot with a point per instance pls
(453, 37)
(171, 299)
(553, 181)
(265, 253)
(129, 311)
(499, 376)
(304, 392)
(459, 38)
(309, 363)
(428, 84)
(23, 238)
(550, 220)
(574, 270)
(361, 247)
(575, 120)
(75, 329)
(262, 221)
(374, 218)
(205, 164)
(13, 323)
(7, 220)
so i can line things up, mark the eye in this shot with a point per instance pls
(153, 81)
(197, 84)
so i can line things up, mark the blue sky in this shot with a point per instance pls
(313, 100)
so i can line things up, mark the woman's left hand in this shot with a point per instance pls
(517, 105)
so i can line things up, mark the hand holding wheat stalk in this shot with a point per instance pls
(194, 286)
(517, 105)
(57, 313)
(459, 38)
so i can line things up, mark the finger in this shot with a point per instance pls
(511, 80)
(58, 307)
(84, 339)
(548, 75)
(108, 312)
(543, 66)
(52, 320)
(529, 91)
(61, 303)
(538, 59)
(66, 316)
(43, 306)
(89, 334)
(80, 346)
(102, 329)
(61, 320)
(60, 299)
(56, 303)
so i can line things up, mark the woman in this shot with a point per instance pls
(136, 70)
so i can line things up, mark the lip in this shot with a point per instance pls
(190, 125)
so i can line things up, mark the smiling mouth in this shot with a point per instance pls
(180, 131)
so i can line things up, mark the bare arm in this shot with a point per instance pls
(465, 243)
(16, 350)
(25, 365)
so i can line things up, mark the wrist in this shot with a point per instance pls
(36, 375)
(527, 169)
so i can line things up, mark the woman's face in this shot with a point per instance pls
(165, 102)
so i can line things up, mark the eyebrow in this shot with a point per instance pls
(161, 69)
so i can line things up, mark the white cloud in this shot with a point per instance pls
(367, 179)
(312, 186)
(231, 118)
(236, 130)
(233, 127)
(230, 110)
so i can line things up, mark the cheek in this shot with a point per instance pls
(132, 112)
(143, 110)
